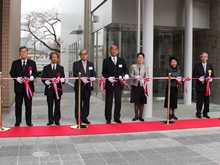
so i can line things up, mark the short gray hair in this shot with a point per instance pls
(201, 54)
(82, 50)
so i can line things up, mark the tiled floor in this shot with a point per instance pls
(192, 146)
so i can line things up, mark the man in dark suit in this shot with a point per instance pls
(88, 74)
(55, 74)
(201, 72)
(23, 71)
(114, 67)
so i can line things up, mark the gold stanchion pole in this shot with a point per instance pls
(1, 127)
(79, 124)
(168, 104)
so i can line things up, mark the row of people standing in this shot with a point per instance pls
(24, 71)
(114, 68)
(202, 75)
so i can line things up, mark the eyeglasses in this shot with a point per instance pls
(83, 53)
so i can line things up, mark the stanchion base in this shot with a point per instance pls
(79, 126)
(2, 129)
(167, 122)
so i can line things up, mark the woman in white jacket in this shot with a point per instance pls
(138, 72)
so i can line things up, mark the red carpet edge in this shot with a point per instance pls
(65, 130)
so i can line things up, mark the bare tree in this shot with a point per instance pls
(42, 26)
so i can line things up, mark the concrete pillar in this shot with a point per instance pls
(148, 50)
(188, 49)
(139, 26)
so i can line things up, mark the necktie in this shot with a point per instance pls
(23, 66)
(114, 59)
(84, 66)
(204, 67)
(54, 69)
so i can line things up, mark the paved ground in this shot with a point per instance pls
(193, 146)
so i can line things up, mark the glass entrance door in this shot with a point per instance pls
(166, 44)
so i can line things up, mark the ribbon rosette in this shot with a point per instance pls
(29, 92)
(123, 82)
(145, 87)
(30, 70)
(54, 82)
(207, 91)
(101, 84)
(184, 83)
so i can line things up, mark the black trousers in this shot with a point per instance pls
(56, 114)
(84, 104)
(117, 92)
(18, 107)
(200, 99)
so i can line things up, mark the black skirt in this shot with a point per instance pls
(173, 97)
(138, 95)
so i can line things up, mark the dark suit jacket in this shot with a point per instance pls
(198, 72)
(109, 69)
(48, 73)
(16, 71)
(90, 72)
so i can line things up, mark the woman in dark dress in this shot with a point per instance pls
(138, 97)
(175, 73)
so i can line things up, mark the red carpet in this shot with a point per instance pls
(108, 128)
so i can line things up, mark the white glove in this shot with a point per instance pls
(209, 79)
(138, 77)
(201, 78)
(19, 79)
(84, 80)
(111, 79)
(179, 79)
(142, 81)
(120, 77)
(126, 77)
(62, 80)
(31, 78)
(92, 79)
(47, 82)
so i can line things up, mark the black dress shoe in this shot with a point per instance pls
(206, 116)
(17, 124)
(118, 121)
(50, 123)
(29, 124)
(108, 122)
(174, 117)
(198, 116)
(135, 118)
(57, 122)
(86, 122)
(141, 119)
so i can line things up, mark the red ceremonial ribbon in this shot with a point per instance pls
(101, 84)
(207, 92)
(123, 82)
(145, 87)
(54, 82)
(184, 83)
(178, 83)
(29, 92)
(30, 70)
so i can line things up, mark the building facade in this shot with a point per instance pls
(10, 17)
(160, 29)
